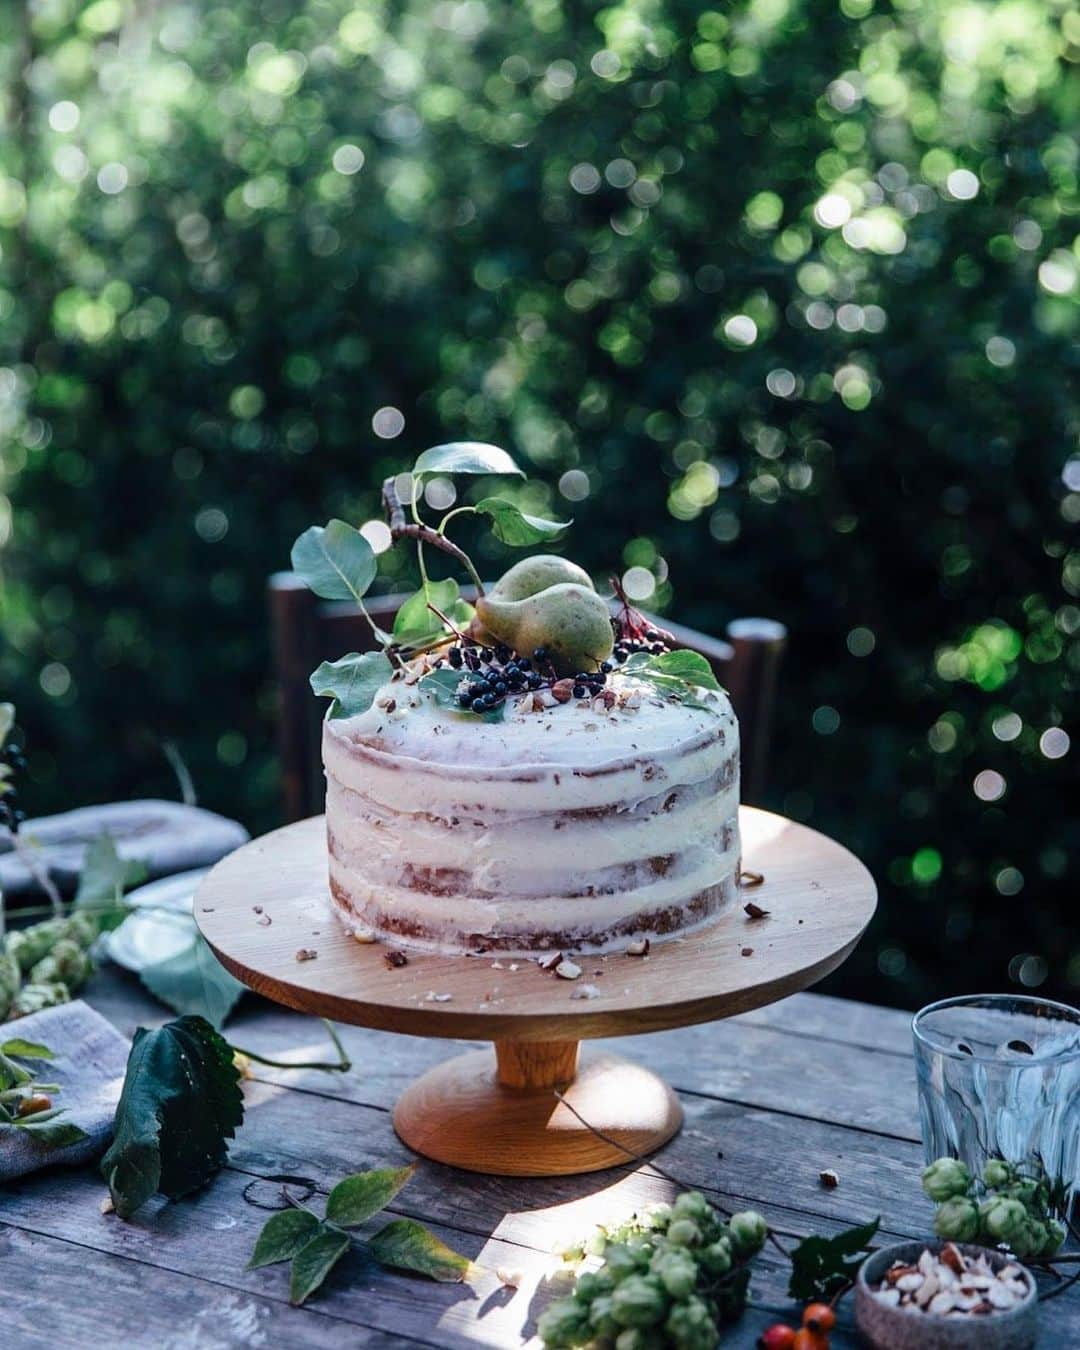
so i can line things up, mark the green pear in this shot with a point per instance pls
(571, 622)
(536, 574)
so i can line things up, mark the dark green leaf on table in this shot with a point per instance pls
(357, 1198)
(352, 682)
(466, 457)
(408, 1245)
(416, 622)
(194, 981)
(514, 527)
(283, 1236)
(104, 878)
(315, 1260)
(180, 1103)
(51, 1133)
(820, 1266)
(335, 561)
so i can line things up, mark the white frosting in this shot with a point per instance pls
(572, 819)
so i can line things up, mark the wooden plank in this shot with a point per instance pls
(737, 1059)
(61, 1294)
(819, 896)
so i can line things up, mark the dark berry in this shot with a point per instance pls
(651, 634)
(454, 657)
(606, 667)
(620, 654)
(524, 663)
(657, 648)
(501, 686)
(580, 691)
(502, 651)
(486, 653)
(540, 654)
(465, 698)
(534, 680)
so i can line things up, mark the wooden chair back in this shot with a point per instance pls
(306, 630)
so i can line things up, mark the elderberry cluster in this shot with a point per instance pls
(493, 673)
(13, 761)
(648, 641)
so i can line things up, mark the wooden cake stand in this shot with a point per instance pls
(497, 1112)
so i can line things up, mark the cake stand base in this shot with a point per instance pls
(498, 1113)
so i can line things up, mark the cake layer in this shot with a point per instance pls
(571, 826)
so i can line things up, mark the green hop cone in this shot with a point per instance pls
(592, 1283)
(1056, 1235)
(945, 1178)
(748, 1231)
(997, 1173)
(10, 979)
(639, 1301)
(684, 1233)
(716, 1259)
(692, 1205)
(656, 1217)
(1026, 1191)
(597, 1243)
(690, 1326)
(676, 1270)
(639, 1338)
(602, 1321)
(563, 1323)
(620, 1261)
(957, 1219)
(1003, 1219)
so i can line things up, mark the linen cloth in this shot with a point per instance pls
(91, 1058)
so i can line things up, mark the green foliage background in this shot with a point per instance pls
(779, 299)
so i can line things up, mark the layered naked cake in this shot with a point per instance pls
(580, 825)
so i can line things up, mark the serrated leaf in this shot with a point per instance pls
(466, 457)
(180, 1102)
(357, 1198)
(315, 1260)
(352, 682)
(25, 1049)
(335, 561)
(408, 1245)
(51, 1133)
(416, 622)
(820, 1266)
(194, 981)
(104, 878)
(514, 527)
(282, 1237)
(443, 685)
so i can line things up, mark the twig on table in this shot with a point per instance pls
(27, 854)
(343, 1065)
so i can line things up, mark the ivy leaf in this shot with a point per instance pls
(820, 1266)
(315, 1260)
(514, 527)
(416, 622)
(352, 682)
(408, 1245)
(181, 1101)
(104, 878)
(443, 685)
(466, 457)
(25, 1049)
(682, 667)
(51, 1133)
(358, 1197)
(194, 981)
(282, 1237)
(335, 561)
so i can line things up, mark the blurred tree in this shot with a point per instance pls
(780, 298)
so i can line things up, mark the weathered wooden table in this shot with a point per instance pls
(771, 1098)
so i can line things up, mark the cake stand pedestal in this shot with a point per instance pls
(497, 1112)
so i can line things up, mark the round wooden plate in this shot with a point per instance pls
(269, 901)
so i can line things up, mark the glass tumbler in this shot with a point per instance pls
(999, 1077)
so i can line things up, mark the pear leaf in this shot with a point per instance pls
(358, 1197)
(180, 1102)
(678, 672)
(315, 1260)
(335, 561)
(416, 622)
(408, 1245)
(282, 1237)
(352, 682)
(443, 685)
(514, 527)
(466, 457)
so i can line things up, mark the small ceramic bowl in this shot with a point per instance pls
(885, 1327)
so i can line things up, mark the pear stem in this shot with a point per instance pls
(402, 528)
